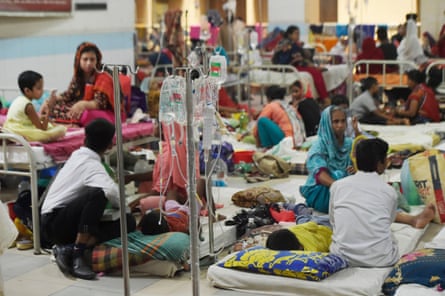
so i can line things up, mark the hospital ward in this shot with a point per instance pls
(223, 147)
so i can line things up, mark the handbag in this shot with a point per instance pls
(271, 165)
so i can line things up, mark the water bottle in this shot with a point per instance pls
(141, 165)
(219, 172)
(250, 226)
(243, 121)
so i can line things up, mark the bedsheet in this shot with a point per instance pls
(349, 281)
(60, 150)
(223, 235)
(399, 136)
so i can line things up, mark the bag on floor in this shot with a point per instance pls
(254, 196)
(8, 231)
(271, 165)
(428, 174)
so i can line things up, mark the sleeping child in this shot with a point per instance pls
(174, 217)
(23, 119)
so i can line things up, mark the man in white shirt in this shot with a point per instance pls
(76, 200)
(363, 207)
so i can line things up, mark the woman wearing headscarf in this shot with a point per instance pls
(410, 48)
(328, 158)
(421, 105)
(90, 94)
(370, 52)
(290, 52)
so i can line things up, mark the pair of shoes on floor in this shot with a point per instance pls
(68, 264)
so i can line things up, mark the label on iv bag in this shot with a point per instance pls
(218, 68)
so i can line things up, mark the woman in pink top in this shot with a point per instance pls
(277, 120)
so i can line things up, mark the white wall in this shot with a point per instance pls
(390, 12)
(432, 16)
(47, 44)
(283, 13)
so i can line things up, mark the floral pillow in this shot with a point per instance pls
(312, 266)
(425, 267)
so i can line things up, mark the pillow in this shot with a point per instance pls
(425, 267)
(312, 266)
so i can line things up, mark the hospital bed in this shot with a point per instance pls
(18, 157)
(388, 78)
(266, 75)
(284, 75)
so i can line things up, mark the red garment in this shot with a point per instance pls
(125, 83)
(177, 220)
(282, 215)
(370, 52)
(170, 169)
(429, 107)
(318, 80)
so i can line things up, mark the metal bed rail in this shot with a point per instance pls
(401, 66)
(30, 170)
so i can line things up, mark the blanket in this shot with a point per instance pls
(170, 246)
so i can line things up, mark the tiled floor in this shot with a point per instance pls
(27, 274)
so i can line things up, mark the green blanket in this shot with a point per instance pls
(171, 246)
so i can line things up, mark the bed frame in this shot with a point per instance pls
(385, 82)
(283, 75)
(32, 167)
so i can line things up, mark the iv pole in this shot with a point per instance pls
(120, 175)
(350, 44)
(191, 189)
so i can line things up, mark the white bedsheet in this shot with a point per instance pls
(351, 281)
(18, 155)
(224, 236)
(419, 134)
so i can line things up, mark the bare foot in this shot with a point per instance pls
(425, 217)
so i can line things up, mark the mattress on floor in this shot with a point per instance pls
(223, 235)
(402, 135)
(350, 281)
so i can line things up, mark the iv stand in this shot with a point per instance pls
(191, 188)
(120, 175)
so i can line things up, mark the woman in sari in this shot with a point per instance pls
(90, 94)
(421, 105)
(328, 159)
(278, 120)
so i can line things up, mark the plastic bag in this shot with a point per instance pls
(428, 174)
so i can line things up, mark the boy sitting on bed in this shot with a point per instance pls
(76, 200)
(22, 117)
(363, 207)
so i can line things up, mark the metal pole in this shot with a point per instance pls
(121, 182)
(349, 82)
(191, 189)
